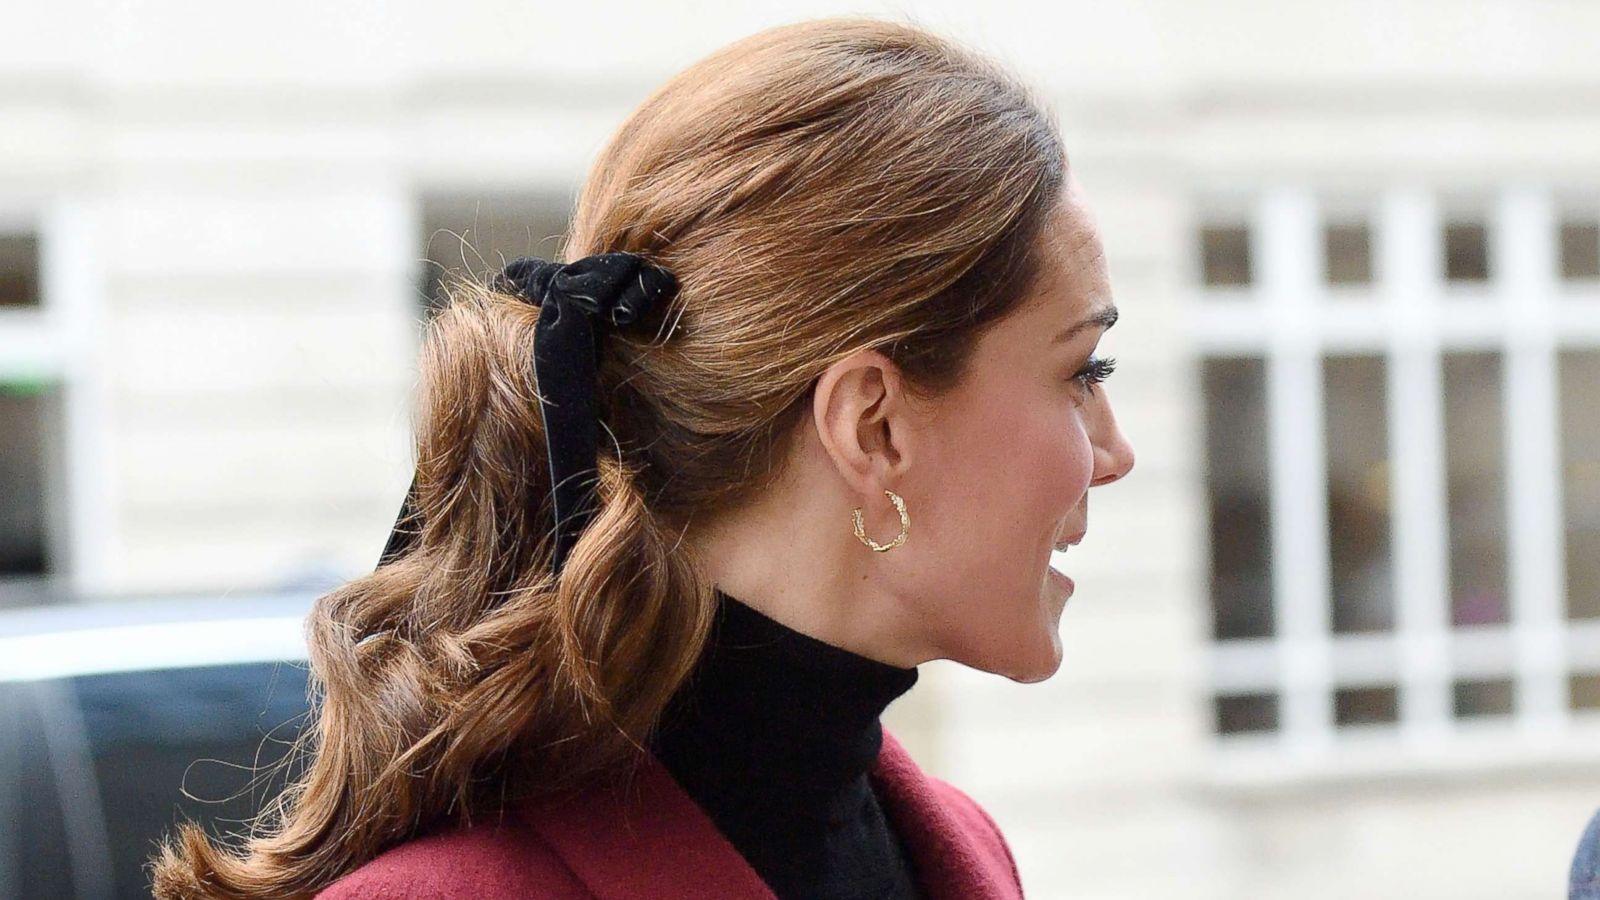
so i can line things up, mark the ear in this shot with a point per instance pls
(862, 418)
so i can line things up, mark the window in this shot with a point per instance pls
(1466, 249)
(1247, 712)
(1404, 489)
(1366, 706)
(19, 269)
(1579, 380)
(1225, 254)
(1580, 248)
(31, 420)
(1362, 582)
(1236, 459)
(1474, 448)
(1347, 252)
(27, 411)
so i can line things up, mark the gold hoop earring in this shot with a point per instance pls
(905, 525)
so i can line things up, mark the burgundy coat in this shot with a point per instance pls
(657, 843)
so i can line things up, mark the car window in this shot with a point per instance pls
(94, 769)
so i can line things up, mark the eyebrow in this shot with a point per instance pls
(1105, 317)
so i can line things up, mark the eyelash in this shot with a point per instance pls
(1096, 370)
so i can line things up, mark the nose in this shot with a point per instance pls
(1113, 454)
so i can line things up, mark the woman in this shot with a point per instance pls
(837, 267)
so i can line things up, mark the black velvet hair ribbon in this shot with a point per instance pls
(579, 303)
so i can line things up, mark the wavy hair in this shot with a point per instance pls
(816, 188)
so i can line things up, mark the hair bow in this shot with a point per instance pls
(578, 303)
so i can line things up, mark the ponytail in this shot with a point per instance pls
(461, 671)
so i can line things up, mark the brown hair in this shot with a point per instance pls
(816, 188)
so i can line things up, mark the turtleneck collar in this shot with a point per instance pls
(771, 712)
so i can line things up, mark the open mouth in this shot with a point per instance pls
(1062, 545)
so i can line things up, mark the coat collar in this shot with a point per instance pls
(957, 849)
(627, 842)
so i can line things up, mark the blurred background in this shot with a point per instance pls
(1338, 635)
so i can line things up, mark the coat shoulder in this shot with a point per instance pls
(976, 821)
(960, 838)
(490, 861)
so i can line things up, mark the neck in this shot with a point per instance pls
(817, 580)
(770, 709)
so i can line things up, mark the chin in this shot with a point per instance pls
(1026, 650)
(1037, 673)
(1041, 660)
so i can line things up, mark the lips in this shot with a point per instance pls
(1071, 540)
(1061, 578)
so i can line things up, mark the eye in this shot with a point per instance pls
(1095, 371)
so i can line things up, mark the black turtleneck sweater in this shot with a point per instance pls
(774, 735)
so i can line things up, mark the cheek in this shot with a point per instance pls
(1019, 466)
(1060, 463)
(1069, 462)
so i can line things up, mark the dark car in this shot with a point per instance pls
(119, 720)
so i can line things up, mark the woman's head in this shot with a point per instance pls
(994, 472)
(860, 206)
(872, 230)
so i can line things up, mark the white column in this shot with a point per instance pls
(70, 265)
(1285, 247)
(1525, 253)
(1410, 273)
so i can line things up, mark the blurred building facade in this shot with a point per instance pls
(1337, 636)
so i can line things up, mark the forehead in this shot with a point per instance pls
(1072, 278)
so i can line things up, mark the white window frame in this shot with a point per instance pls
(61, 340)
(1290, 317)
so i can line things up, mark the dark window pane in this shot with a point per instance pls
(1580, 249)
(1365, 706)
(1247, 712)
(1476, 466)
(1348, 251)
(1466, 251)
(19, 269)
(1225, 255)
(1236, 483)
(28, 420)
(1483, 698)
(1580, 450)
(1358, 493)
(1585, 691)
